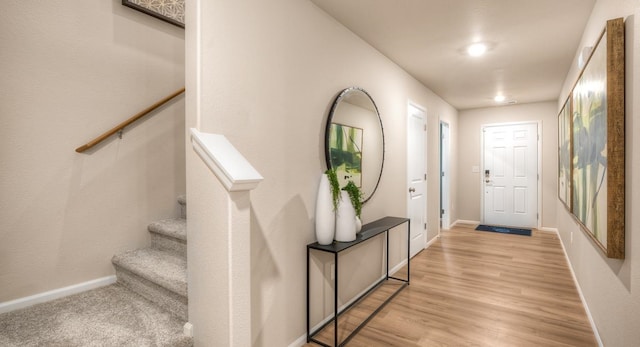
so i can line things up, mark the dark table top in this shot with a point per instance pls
(368, 231)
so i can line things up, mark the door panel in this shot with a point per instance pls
(498, 199)
(499, 157)
(520, 200)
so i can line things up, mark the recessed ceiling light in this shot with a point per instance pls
(499, 98)
(476, 49)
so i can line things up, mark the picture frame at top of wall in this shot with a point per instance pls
(598, 143)
(168, 11)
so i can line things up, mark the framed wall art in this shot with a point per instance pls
(171, 11)
(598, 142)
(564, 154)
(345, 150)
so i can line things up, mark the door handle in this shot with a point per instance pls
(412, 190)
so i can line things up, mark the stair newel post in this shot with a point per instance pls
(220, 220)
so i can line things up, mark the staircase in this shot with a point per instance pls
(159, 272)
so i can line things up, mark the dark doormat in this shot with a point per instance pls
(504, 230)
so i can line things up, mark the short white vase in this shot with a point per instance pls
(345, 219)
(325, 215)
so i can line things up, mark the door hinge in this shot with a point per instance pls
(537, 216)
(425, 177)
(442, 174)
(442, 211)
(425, 226)
(425, 127)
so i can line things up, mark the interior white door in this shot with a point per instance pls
(510, 175)
(416, 169)
(444, 176)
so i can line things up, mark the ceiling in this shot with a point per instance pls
(531, 43)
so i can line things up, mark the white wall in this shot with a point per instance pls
(469, 183)
(70, 71)
(612, 287)
(265, 75)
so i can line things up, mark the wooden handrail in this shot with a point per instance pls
(122, 125)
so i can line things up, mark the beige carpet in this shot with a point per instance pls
(108, 316)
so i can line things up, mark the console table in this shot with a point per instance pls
(368, 231)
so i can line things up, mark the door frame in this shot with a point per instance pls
(417, 106)
(445, 224)
(538, 124)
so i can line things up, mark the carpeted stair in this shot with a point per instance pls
(159, 272)
(147, 307)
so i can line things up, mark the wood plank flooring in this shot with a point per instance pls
(473, 288)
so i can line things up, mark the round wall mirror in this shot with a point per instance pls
(354, 140)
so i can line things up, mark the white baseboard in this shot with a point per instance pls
(464, 221)
(575, 280)
(553, 230)
(432, 241)
(17, 304)
(395, 269)
(299, 342)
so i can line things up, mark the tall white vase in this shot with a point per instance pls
(345, 219)
(325, 215)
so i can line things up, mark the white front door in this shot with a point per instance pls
(416, 169)
(510, 175)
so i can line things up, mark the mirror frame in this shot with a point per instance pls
(327, 132)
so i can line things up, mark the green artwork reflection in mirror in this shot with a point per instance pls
(345, 149)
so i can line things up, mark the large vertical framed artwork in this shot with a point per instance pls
(564, 154)
(597, 105)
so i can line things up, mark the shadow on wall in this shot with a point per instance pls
(266, 277)
(263, 268)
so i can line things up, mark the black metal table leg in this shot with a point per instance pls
(387, 276)
(408, 251)
(335, 298)
(308, 317)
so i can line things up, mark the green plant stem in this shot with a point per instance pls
(335, 187)
(355, 195)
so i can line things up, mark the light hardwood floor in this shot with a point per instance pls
(473, 288)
